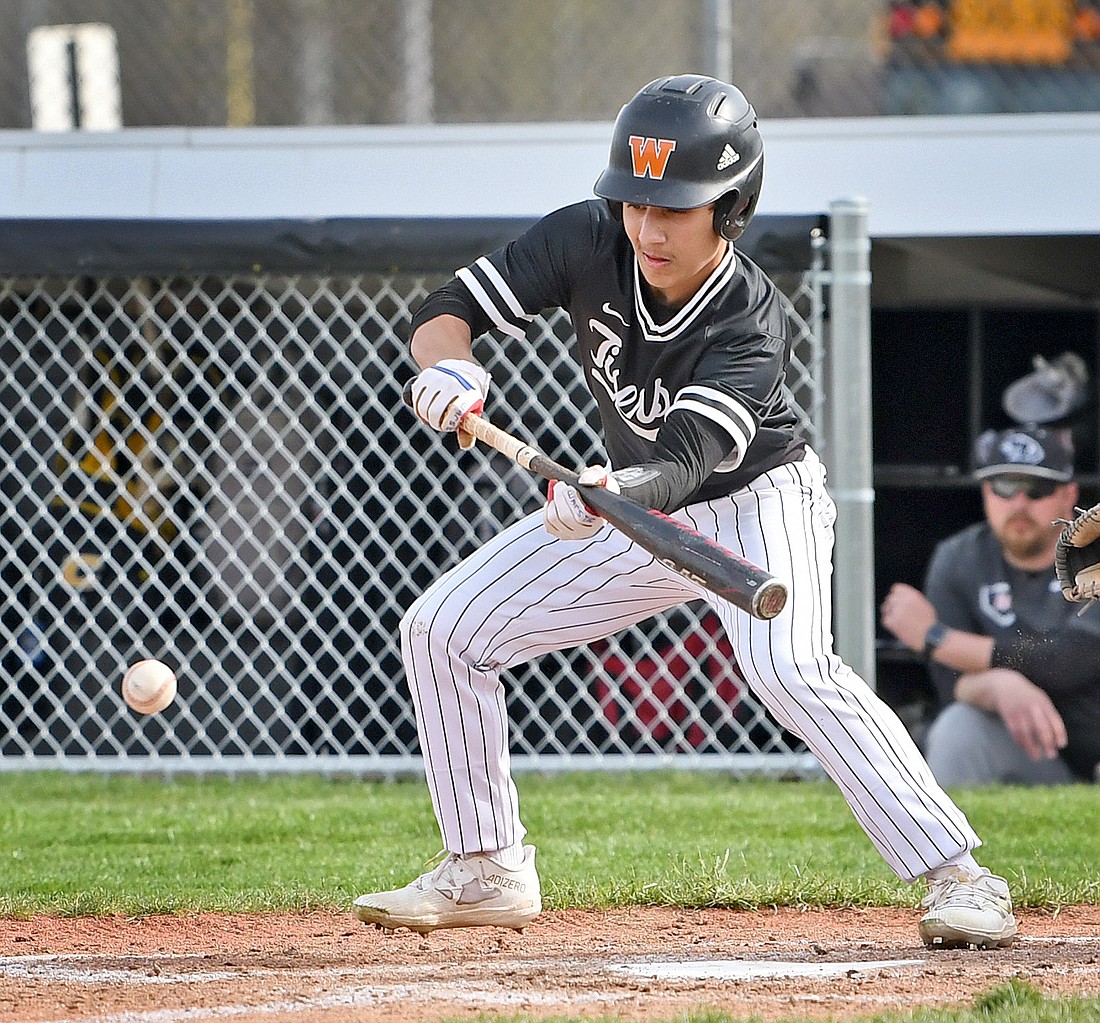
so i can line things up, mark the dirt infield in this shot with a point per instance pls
(634, 964)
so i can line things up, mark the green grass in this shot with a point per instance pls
(89, 844)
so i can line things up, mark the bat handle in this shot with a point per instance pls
(769, 599)
(523, 454)
(407, 398)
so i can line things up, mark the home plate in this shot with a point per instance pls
(733, 969)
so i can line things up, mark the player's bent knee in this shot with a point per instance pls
(424, 628)
(413, 628)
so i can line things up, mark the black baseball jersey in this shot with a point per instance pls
(695, 397)
(1034, 628)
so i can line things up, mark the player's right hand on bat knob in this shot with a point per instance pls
(566, 516)
(442, 394)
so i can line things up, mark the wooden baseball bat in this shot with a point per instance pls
(673, 544)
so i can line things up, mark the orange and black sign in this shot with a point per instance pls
(1031, 32)
(1011, 31)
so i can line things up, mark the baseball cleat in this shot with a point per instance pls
(965, 911)
(463, 891)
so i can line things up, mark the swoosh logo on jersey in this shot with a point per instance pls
(618, 316)
(637, 409)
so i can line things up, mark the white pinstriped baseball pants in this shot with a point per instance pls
(526, 593)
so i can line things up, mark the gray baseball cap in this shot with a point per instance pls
(1024, 451)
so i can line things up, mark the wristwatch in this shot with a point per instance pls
(935, 635)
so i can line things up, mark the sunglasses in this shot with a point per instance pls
(1032, 488)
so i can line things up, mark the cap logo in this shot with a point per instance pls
(650, 156)
(729, 157)
(1020, 449)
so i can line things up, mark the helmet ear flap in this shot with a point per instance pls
(732, 215)
(616, 209)
(726, 215)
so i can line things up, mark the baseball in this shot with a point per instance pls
(149, 686)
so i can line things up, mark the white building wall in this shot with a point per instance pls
(923, 176)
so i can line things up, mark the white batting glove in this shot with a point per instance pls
(442, 394)
(566, 516)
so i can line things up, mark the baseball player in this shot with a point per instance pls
(684, 343)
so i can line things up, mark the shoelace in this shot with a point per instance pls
(443, 871)
(957, 891)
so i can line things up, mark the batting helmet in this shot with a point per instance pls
(685, 142)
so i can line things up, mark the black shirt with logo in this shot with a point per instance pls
(696, 393)
(1035, 630)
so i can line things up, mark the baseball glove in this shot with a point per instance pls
(1077, 556)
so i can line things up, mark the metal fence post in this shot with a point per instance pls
(850, 457)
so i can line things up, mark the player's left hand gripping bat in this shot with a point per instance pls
(671, 542)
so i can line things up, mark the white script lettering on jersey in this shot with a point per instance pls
(638, 409)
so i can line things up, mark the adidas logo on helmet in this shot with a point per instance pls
(729, 157)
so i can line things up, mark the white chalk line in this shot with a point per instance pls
(740, 969)
(60, 968)
(56, 968)
(358, 998)
(1077, 940)
(63, 968)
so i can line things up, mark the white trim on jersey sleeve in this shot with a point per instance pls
(500, 320)
(724, 411)
(486, 267)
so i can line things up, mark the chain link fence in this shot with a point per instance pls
(324, 62)
(218, 470)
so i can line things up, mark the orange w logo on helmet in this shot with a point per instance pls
(650, 156)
